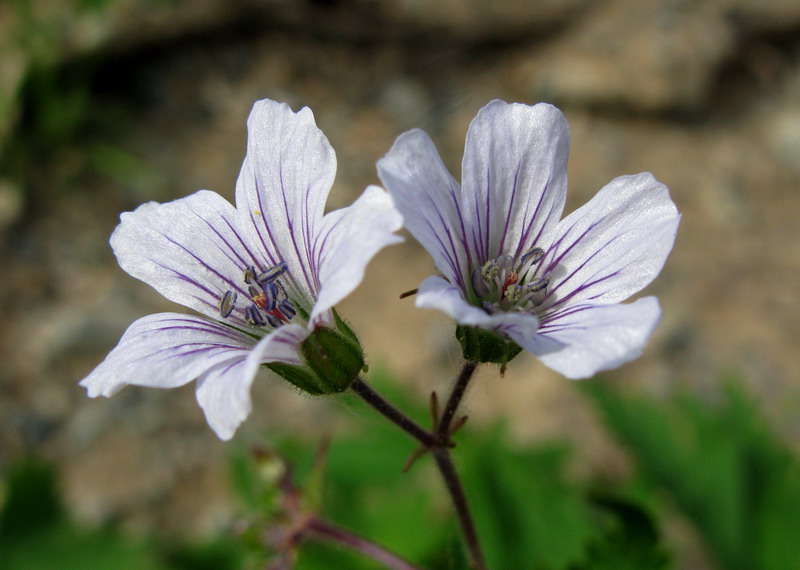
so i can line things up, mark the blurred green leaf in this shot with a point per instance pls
(726, 470)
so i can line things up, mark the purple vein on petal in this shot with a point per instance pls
(234, 250)
(583, 286)
(463, 234)
(290, 223)
(524, 243)
(509, 211)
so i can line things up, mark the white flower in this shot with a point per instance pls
(507, 263)
(264, 274)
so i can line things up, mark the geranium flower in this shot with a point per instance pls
(265, 275)
(509, 266)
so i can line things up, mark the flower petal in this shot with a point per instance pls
(224, 391)
(437, 293)
(428, 198)
(615, 244)
(283, 186)
(190, 250)
(584, 340)
(348, 240)
(167, 350)
(514, 179)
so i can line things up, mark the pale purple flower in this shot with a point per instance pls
(263, 274)
(509, 265)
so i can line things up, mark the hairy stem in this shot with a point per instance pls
(456, 490)
(437, 443)
(450, 409)
(322, 529)
(394, 415)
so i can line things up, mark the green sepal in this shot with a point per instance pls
(480, 345)
(333, 359)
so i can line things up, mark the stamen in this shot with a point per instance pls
(271, 296)
(274, 322)
(533, 256)
(513, 293)
(273, 273)
(287, 309)
(227, 303)
(539, 284)
(479, 284)
(505, 262)
(250, 275)
(280, 295)
(490, 270)
(253, 316)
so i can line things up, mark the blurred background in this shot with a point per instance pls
(105, 104)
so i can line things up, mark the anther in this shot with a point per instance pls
(539, 284)
(227, 303)
(254, 316)
(250, 275)
(513, 293)
(479, 284)
(272, 273)
(287, 309)
(274, 322)
(533, 255)
(270, 296)
(505, 262)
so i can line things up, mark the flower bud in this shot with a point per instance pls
(480, 345)
(333, 360)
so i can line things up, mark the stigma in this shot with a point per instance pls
(506, 284)
(269, 303)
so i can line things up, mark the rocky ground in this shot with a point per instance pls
(706, 95)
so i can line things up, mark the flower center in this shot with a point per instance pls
(269, 304)
(505, 284)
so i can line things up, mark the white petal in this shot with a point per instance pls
(428, 198)
(167, 350)
(348, 240)
(283, 185)
(224, 392)
(436, 293)
(190, 250)
(514, 179)
(615, 244)
(587, 339)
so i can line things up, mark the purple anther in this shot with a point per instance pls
(281, 296)
(274, 322)
(287, 309)
(227, 303)
(255, 291)
(270, 296)
(504, 262)
(533, 255)
(250, 275)
(254, 316)
(479, 284)
(272, 273)
(538, 284)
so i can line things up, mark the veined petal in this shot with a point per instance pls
(224, 391)
(190, 250)
(428, 198)
(167, 350)
(437, 293)
(583, 340)
(347, 241)
(283, 185)
(514, 179)
(615, 244)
